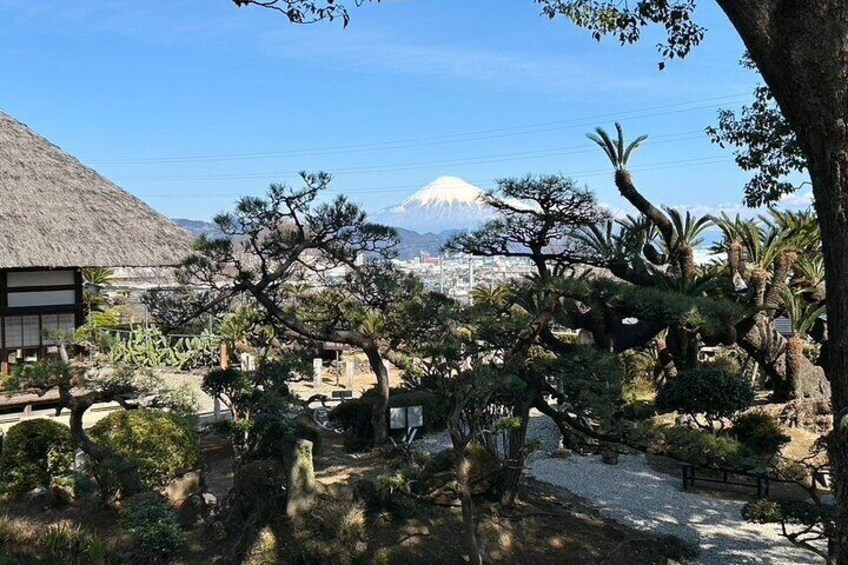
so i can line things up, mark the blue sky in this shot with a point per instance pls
(190, 104)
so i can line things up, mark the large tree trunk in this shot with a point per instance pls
(830, 182)
(801, 49)
(379, 413)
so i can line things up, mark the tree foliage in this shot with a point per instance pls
(764, 143)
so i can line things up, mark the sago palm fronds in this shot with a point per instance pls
(615, 149)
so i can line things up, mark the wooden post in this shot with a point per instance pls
(225, 356)
(317, 367)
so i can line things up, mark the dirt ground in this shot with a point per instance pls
(549, 525)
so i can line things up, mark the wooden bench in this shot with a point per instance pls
(727, 473)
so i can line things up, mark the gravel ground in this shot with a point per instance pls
(634, 494)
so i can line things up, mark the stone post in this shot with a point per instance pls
(300, 477)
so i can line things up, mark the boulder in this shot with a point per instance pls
(183, 487)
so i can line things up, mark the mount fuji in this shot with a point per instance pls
(447, 203)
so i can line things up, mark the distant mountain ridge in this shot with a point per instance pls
(411, 243)
(198, 227)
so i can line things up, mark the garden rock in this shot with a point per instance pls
(183, 487)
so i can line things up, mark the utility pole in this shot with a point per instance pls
(441, 274)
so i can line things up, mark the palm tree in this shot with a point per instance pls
(496, 295)
(618, 152)
(763, 246)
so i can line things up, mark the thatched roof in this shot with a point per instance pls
(56, 212)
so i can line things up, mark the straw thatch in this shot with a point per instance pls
(56, 212)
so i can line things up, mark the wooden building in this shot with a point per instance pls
(58, 216)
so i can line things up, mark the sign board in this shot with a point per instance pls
(415, 417)
(406, 417)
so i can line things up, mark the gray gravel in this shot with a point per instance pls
(634, 494)
(637, 496)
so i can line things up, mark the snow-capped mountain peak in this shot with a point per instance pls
(447, 203)
(445, 191)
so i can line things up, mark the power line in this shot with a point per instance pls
(663, 165)
(480, 135)
(479, 160)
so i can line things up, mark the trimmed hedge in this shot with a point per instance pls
(162, 445)
(34, 452)
(714, 392)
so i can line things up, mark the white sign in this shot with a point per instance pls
(397, 418)
(414, 417)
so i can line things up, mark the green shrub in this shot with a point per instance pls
(759, 432)
(762, 511)
(714, 392)
(34, 452)
(161, 445)
(77, 484)
(154, 527)
(355, 415)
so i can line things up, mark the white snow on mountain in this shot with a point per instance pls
(447, 203)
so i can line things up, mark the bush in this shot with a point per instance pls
(713, 392)
(355, 415)
(762, 511)
(34, 452)
(154, 527)
(759, 432)
(703, 449)
(162, 445)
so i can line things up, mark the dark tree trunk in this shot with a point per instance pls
(514, 459)
(379, 414)
(801, 49)
(830, 182)
(127, 474)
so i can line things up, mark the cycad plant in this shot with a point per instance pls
(94, 279)
(802, 315)
(688, 234)
(619, 153)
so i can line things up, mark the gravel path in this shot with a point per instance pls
(634, 494)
